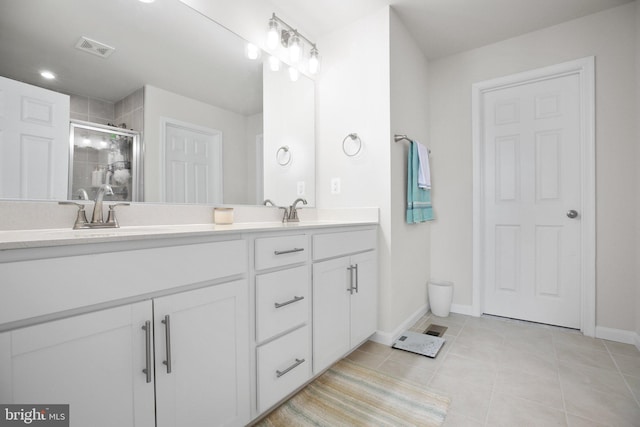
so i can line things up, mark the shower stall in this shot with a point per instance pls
(103, 154)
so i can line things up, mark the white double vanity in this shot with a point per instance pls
(185, 325)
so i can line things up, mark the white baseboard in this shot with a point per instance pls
(618, 335)
(388, 338)
(462, 309)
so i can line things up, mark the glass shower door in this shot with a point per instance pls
(103, 154)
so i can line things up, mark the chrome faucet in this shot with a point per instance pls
(105, 189)
(293, 212)
(97, 220)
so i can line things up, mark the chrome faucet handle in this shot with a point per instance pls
(285, 215)
(112, 221)
(81, 218)
(268, 202)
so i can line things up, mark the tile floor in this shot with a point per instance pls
(502, 372)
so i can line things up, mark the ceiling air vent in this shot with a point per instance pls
(96, 48)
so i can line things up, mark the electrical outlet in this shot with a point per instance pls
(335, 185)
(301, 188)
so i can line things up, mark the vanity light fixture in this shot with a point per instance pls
(314, 61)
(273, 35)
(293, 41)
(47, 74)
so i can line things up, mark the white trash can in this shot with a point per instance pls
(440, 297)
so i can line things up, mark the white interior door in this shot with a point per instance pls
(34, 142)
(193, 164)
(531, 136)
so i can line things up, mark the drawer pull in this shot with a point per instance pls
(147, 341)
(281, 373)
(282, 304)
(290, 251)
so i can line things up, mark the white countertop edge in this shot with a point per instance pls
(26, 239)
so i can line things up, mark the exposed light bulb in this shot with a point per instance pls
(274, 63)
(273, 35)
(294, 74)
(295, 48)
(252, 51)
(314, 61)
(47, 75)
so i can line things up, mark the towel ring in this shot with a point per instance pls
(354, 137)
(285, 159)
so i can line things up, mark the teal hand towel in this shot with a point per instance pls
(418, 199)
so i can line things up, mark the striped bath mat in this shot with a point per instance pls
(352, 395)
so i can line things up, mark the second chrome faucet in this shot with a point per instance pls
(291, 213)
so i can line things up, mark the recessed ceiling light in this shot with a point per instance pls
(147, 1)
(47, 75)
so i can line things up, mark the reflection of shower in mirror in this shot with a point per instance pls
(103, 154)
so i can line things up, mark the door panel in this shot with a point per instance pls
(208, 335)
(532, 150)
(193, 165)
(91, 362)
(34, 142)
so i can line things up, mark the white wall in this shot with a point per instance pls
(254, 129)
(352, 95)
(160, 103)
(289, 116)
(610, 36)
(410, 243)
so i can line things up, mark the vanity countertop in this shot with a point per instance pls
(24, 239)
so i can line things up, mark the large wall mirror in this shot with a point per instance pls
(213, 126)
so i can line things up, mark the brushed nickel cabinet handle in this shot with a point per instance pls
(296, 364)
(282, 304)
(289, 251)
(351, 288)
(147, 336)
(167, 334)
(357, 281)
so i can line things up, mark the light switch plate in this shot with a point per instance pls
(300, 188)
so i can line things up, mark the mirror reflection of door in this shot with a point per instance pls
(193, 164)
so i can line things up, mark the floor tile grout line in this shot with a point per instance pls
(564, 401)
(624, 379)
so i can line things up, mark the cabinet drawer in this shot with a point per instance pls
(78, 281)
(282, 301)
(279, 251)
(283, 366)
(337, 244)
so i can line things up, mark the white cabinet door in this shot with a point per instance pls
(345, 298)
(34, 142)
(202, 357)
(331, 312)
(364, 301)
(92, 362)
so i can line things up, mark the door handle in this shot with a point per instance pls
(572, 214)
